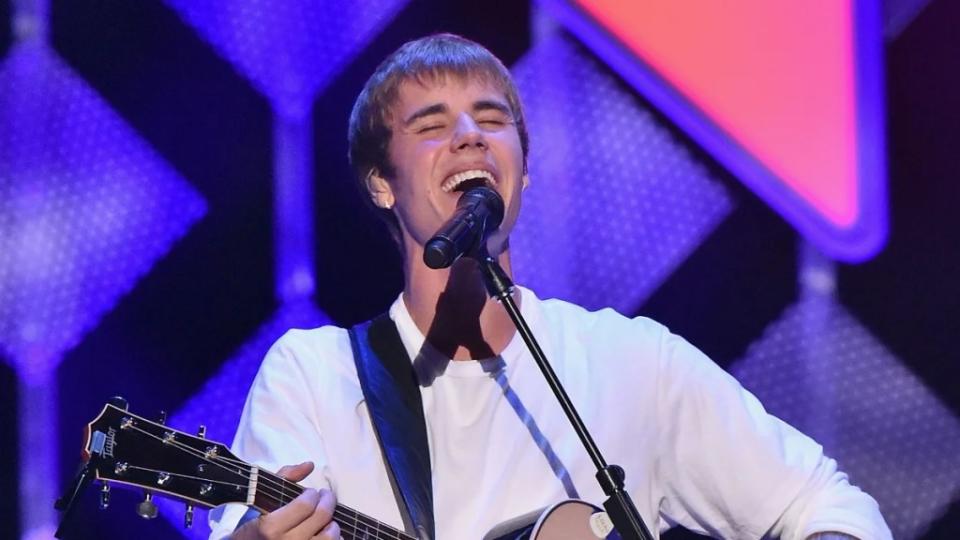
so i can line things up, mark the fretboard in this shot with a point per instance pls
(273, 491)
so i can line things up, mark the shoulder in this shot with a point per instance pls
(320, 340)
(603, 345)
(628, 345)
(604, 328)
(310, 354)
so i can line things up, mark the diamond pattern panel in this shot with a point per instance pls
(821, 371)
(898, 14)
(289, 49)
(86, 208)
(219, 403)
(616, 201)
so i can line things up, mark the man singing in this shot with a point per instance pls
(441, 115)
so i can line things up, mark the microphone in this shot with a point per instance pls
(479, 213)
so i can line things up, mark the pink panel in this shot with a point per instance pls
(778, 77)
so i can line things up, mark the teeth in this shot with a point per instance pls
(455, 180)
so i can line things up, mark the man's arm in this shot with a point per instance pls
(735, 471)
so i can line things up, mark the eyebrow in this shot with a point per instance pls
(436, 108)
(440, 108)
(492, 105)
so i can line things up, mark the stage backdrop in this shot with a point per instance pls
(174, 195)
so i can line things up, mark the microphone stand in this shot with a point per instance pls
(619, 506)
(67, 502)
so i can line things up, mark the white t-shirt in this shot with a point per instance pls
(697, 448)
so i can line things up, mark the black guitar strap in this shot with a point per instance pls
(393, 399)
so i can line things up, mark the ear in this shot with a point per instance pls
(379, 189)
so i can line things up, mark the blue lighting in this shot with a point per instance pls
(289, 49)
(616, 202)
(86, 208)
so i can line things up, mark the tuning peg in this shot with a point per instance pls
(188, 517)
(119, 402)
(104, 496)
(146, 509)
(202, 432)
(163, 418)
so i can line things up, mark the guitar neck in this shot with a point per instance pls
(272, 491)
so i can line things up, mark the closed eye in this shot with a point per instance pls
(429, 128)
(494, 121)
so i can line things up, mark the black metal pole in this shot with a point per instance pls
(68, 501)
(620, 508)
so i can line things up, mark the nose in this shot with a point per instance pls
(467, 134)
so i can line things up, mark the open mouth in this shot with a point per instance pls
(462, 181)
(471, 183)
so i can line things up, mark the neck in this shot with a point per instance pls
(452, 309)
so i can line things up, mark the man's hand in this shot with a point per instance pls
(309, 516)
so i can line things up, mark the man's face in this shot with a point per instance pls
(444, 131)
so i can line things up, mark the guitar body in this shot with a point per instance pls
(566, 520)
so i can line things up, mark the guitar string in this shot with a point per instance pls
(286, 483)
(345, 526)
(343, 512)
(276, 480)
(339, 512)
(357, 516)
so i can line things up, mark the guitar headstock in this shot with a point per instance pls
(128, 450)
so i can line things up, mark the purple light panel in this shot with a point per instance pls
(86, 208)
(821, 371)
(219, 403)
(616, 202)
(289, 49)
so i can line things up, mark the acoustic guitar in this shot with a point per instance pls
(127, 450)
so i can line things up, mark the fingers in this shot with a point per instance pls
(330, 532)
(291, 515)
(307, 516)
(296, 473)
(321, 518)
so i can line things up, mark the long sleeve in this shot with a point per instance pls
(828, 502)
(731, 470)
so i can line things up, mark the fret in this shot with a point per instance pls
(356, 523)
(363, 532)
(274, 491)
